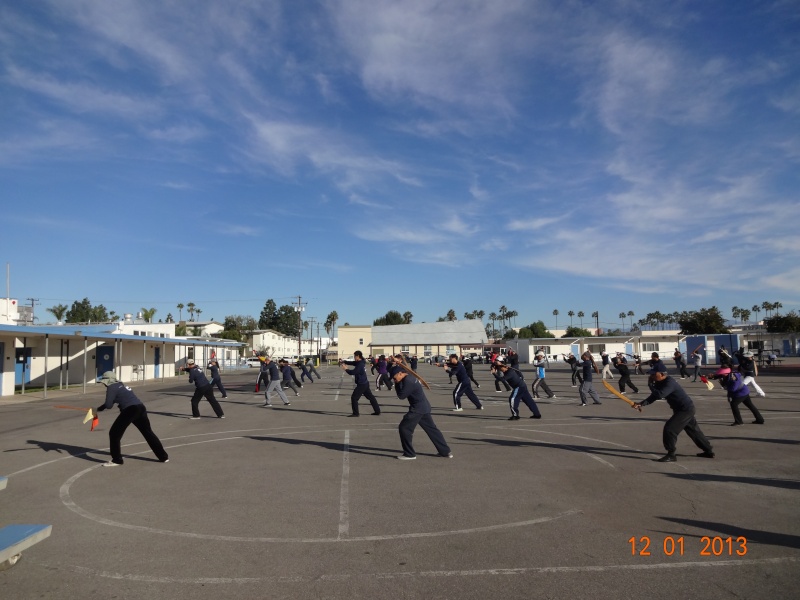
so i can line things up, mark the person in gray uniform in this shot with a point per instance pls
(274, 383)
(131, 410)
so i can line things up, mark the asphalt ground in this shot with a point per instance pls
(301, 502)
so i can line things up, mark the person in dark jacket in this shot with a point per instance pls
(213, 366)
(573, 364)
(470, 373)
(263, 374)
(408, 387)
(539, 363)
(519, 391)
(621, 364)
(588, 367)
(383, 374)
(274, 383)
(749, 370)
(414, 362)
(359, 374)
(304, 372)
(463, 386)
(682, 418)
(202, 388)
(287, 373)
(738, 393)
(311, 369)
(131, 410)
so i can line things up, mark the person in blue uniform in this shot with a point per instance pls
(359, 374)
(467, 362)
(216, 379)
(682, 418)
(414, 362)
(304, 372)
(131, 410)
(573, 365)
(263, 374)
(274, 383)
(287, 373)
(738, 393)
(456, 368)
(408, 387)
(621, 365)
(202, 389)
(519, 391)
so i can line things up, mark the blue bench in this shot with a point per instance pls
(16, 538)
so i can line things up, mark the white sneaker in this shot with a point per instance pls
(404, 457)
(111, 463)
(194, 418)
(267, 404)
(458, 409)
(479, 407)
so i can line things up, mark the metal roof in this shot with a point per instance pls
(468, 331)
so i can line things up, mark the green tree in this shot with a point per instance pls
(268, 315)
(570, 314)
(555, 314)
(148, 314)
(525, 333)
(170, 318)
(581, 314)
(84, 312)
(179, 306)
(190, 307)
(407, 316)
(180, 329)
(705, 320)
(630, 316)
(788, 323)
(577, 332)
(538, 330)
(451, 315)
(392, 317)
(58, 311)
(287, 322)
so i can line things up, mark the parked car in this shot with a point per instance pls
(253, 361)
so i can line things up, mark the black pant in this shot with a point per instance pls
(406, 429)
(499, 378)
(684, 421)
(208, 392)
(625, 379)
(136, 414)
(539, 382)
(737, 416)
(263, 377)
(363, 390)
(220, 387)
(383, 379)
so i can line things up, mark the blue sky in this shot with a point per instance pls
(412, 155)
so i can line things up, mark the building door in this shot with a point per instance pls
(104, 359)
(22, 366)
(157, 362)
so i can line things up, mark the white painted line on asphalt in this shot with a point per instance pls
(420, 574)
(344, 495)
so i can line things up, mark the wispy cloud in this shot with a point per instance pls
(236, 230)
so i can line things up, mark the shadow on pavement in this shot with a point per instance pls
(753, 535)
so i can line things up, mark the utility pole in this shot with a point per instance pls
(311, 322)
(34, 302)
(300, 308)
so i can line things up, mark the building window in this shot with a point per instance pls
(755, 345)
(404, 349)
(360, 341)
(650, 347)
(597, 348)
(545, 349)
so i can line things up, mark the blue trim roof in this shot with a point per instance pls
(102, 332)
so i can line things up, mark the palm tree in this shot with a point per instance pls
(197, 311)
(58, 311)
(512, 314)
(503, 315)
(170, 318)
(767, 306)
(407, 316)
(571, 314)
(451, 315)
(756, 309)
(745, 314)
(333, 316)
(493, 318)
(631, 315)
(735, 313)
(555, 314)
(480, 314)
(596, 317)
(190, 307)
(148, 314)
(777, 306)
(622, 316)
(180, 311)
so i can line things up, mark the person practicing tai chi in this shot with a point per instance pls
(274, 383)
(540, 362)
(697, 362)
(682, 418)
(287, 373)
(311, 369)
(738, 393)
(408, 387)
(621, 364)
(359, 373)
(465, 360)
(586, 390)
(202, 389)
(463, 385)
(216, 379)
(606, 365)
(131, 410)
(749, 370)
(304, 372)
(519, 391)
(573, 365)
